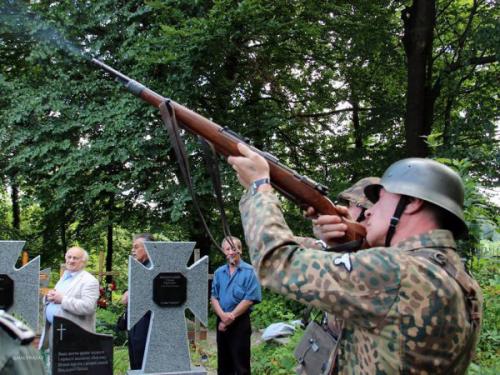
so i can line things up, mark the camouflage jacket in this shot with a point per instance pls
(17, 356)
(403, 313)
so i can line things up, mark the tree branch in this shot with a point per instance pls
(481, 60)
(329, 113)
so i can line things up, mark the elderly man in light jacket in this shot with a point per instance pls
(75, 295)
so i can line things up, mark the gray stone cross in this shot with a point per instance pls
(26, 282)
(167, 289)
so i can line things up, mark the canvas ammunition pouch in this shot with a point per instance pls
(317, 351)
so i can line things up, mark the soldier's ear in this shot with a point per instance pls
(414, 206)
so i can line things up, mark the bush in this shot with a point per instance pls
(488, 353)
(275, 308)
(273, 358)
(106, 323)
(120, 360)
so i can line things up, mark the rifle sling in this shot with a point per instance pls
(212, 165)
(170, 121)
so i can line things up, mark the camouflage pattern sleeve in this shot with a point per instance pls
(307, 242)
(360, 287)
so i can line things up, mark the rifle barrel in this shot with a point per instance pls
(132, 85)
(295, 187)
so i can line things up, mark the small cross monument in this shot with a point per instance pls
(167, 289)
(19, 288)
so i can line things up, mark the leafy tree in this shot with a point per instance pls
(459, 28)
(321, 85)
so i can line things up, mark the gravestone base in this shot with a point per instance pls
(194, 371)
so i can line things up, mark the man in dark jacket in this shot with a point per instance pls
(138, 334)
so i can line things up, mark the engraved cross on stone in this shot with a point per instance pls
(20, 287)
(168, 288)
(61, 329)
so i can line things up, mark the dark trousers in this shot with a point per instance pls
(137, 341)
(233, 347)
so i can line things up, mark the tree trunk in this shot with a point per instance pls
(358, 139)
(16, 211)
(62, 228)
(447, 121)
(109, 240)
(203, 243)
(419, 21)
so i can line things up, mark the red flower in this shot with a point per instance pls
(102, 302)
(111, 286)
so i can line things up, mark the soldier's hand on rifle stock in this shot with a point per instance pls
(328, 228)
(250, 166)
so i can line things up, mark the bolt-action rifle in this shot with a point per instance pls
(299, 189)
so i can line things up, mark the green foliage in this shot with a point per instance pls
(120, 360)
(487, 271)
(480, 215)
(273, 358)
(321, 86)
(106, 323)
(204, 354)
(274, 308)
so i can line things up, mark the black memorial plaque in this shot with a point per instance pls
(169, 289)
(6, 292)
(76, 351)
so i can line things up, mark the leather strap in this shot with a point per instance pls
(212, 165)
(403, 202)
(170, 121)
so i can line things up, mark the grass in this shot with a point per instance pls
(120, 360)
(204, 354)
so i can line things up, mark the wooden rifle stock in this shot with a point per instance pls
(300, 189)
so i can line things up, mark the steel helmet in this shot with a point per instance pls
(428, 180)
(356, 193)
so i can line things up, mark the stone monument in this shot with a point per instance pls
(76, 351)
(44, 288)
(19, 288)
(168, 288)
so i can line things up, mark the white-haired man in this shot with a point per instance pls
(75, 295)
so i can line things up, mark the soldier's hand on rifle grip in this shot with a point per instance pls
(250, 166)
(329, 228)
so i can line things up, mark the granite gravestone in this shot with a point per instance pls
(76, 351)
(168, 288)
(19, 287)
(44, 288)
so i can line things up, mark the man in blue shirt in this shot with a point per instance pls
(235, 289)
